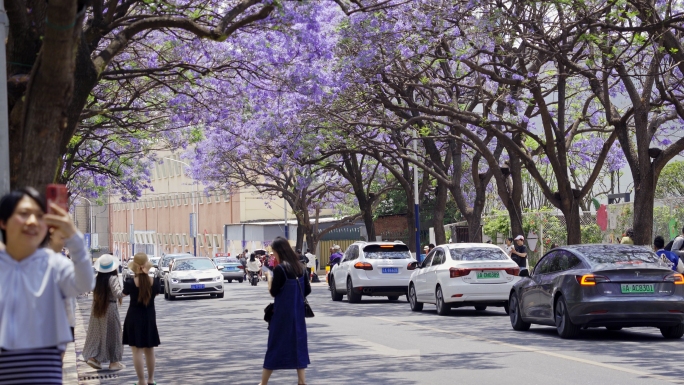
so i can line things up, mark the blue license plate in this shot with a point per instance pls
(197, 286)
(390, 270)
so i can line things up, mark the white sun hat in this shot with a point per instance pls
(106, 264)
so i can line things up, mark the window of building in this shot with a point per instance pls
(159, 239)
(178, 165)
(199, 241)
(178, 199)
(153, 202)
(166, 201)
(185, 239)
(185, 198)
(217, 240)
(171, 200)
(226, 196)
(178, 240)
(200, 197)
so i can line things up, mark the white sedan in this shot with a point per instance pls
(463, 274)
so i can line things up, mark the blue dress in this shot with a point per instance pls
(287, 340)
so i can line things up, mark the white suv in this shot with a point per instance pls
(372, 268)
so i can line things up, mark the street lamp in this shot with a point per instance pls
(195, 221)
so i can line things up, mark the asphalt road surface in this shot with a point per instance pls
(223, 341)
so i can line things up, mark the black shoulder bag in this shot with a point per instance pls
(308, 313)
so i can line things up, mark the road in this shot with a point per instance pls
(223, 341)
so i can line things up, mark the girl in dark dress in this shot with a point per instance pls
(287, 340)
(140, 326)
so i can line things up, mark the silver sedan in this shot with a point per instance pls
(193, 276)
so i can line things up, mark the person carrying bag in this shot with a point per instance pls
(287, 336)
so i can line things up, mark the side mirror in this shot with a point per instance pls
(414, 265)
(524, 273)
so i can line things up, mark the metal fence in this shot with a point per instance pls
(546, 228)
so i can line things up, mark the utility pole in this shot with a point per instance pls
(4, 120)
(416, 205)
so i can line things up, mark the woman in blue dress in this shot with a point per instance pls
(287, 341)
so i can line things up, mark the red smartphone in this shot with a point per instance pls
(57, 194)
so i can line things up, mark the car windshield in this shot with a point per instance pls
(622, 257)
(478, 254)
(398, 251)
(226, 260)
(193, 264)
(165, 261)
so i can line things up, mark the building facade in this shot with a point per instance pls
(160, 221)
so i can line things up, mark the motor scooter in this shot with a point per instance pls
(254, 277)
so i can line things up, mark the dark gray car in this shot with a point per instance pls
(612, 286)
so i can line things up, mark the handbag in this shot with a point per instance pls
(308, 313)
(268, 312)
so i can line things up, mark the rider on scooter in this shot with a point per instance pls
(253, 265)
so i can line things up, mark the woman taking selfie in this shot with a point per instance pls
(34, 327)
(287, 340)
(103, 341)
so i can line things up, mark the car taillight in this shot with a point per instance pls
(456, 272)
(363, 266)
(513, 270)
(677, 278)
(590, 279)
(241, 267)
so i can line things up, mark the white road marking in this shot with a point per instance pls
(539, 351)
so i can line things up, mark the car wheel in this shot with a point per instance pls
(614, 328)
(171, 297)
(219, 295)
(673, 332)
(392, 297)
(333, 292)
(413, 299)
(480, 308)
(516, 315)
(442, 308)
(351, 296)
(564, 326)
(166, 293)
(240, 280)
(506, 309)
(230, 281)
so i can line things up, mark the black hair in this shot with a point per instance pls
(308, 250)
(629, 232)
(298, 251)
(10, 201)
(287, 256)
(251, 257)
(431, 246)
(510, 239)
(659, 242)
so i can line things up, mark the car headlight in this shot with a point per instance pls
(174, 280)
(218, 279)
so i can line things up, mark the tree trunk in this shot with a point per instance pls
(572, 223)
(368, 221)
(644, 195)
(438, 214)
(300, 236)
(43, 119)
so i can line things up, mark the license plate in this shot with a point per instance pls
(390, 270)
(637, 288)
(487, 274)
(197, 286)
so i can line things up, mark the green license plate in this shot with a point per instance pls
(487, 274)
(637, 288)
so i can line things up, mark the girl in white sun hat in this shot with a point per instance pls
(103, 341)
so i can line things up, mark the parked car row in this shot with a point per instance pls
(571, 288)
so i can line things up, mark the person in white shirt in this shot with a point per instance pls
(311, 265)
(33, 284)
